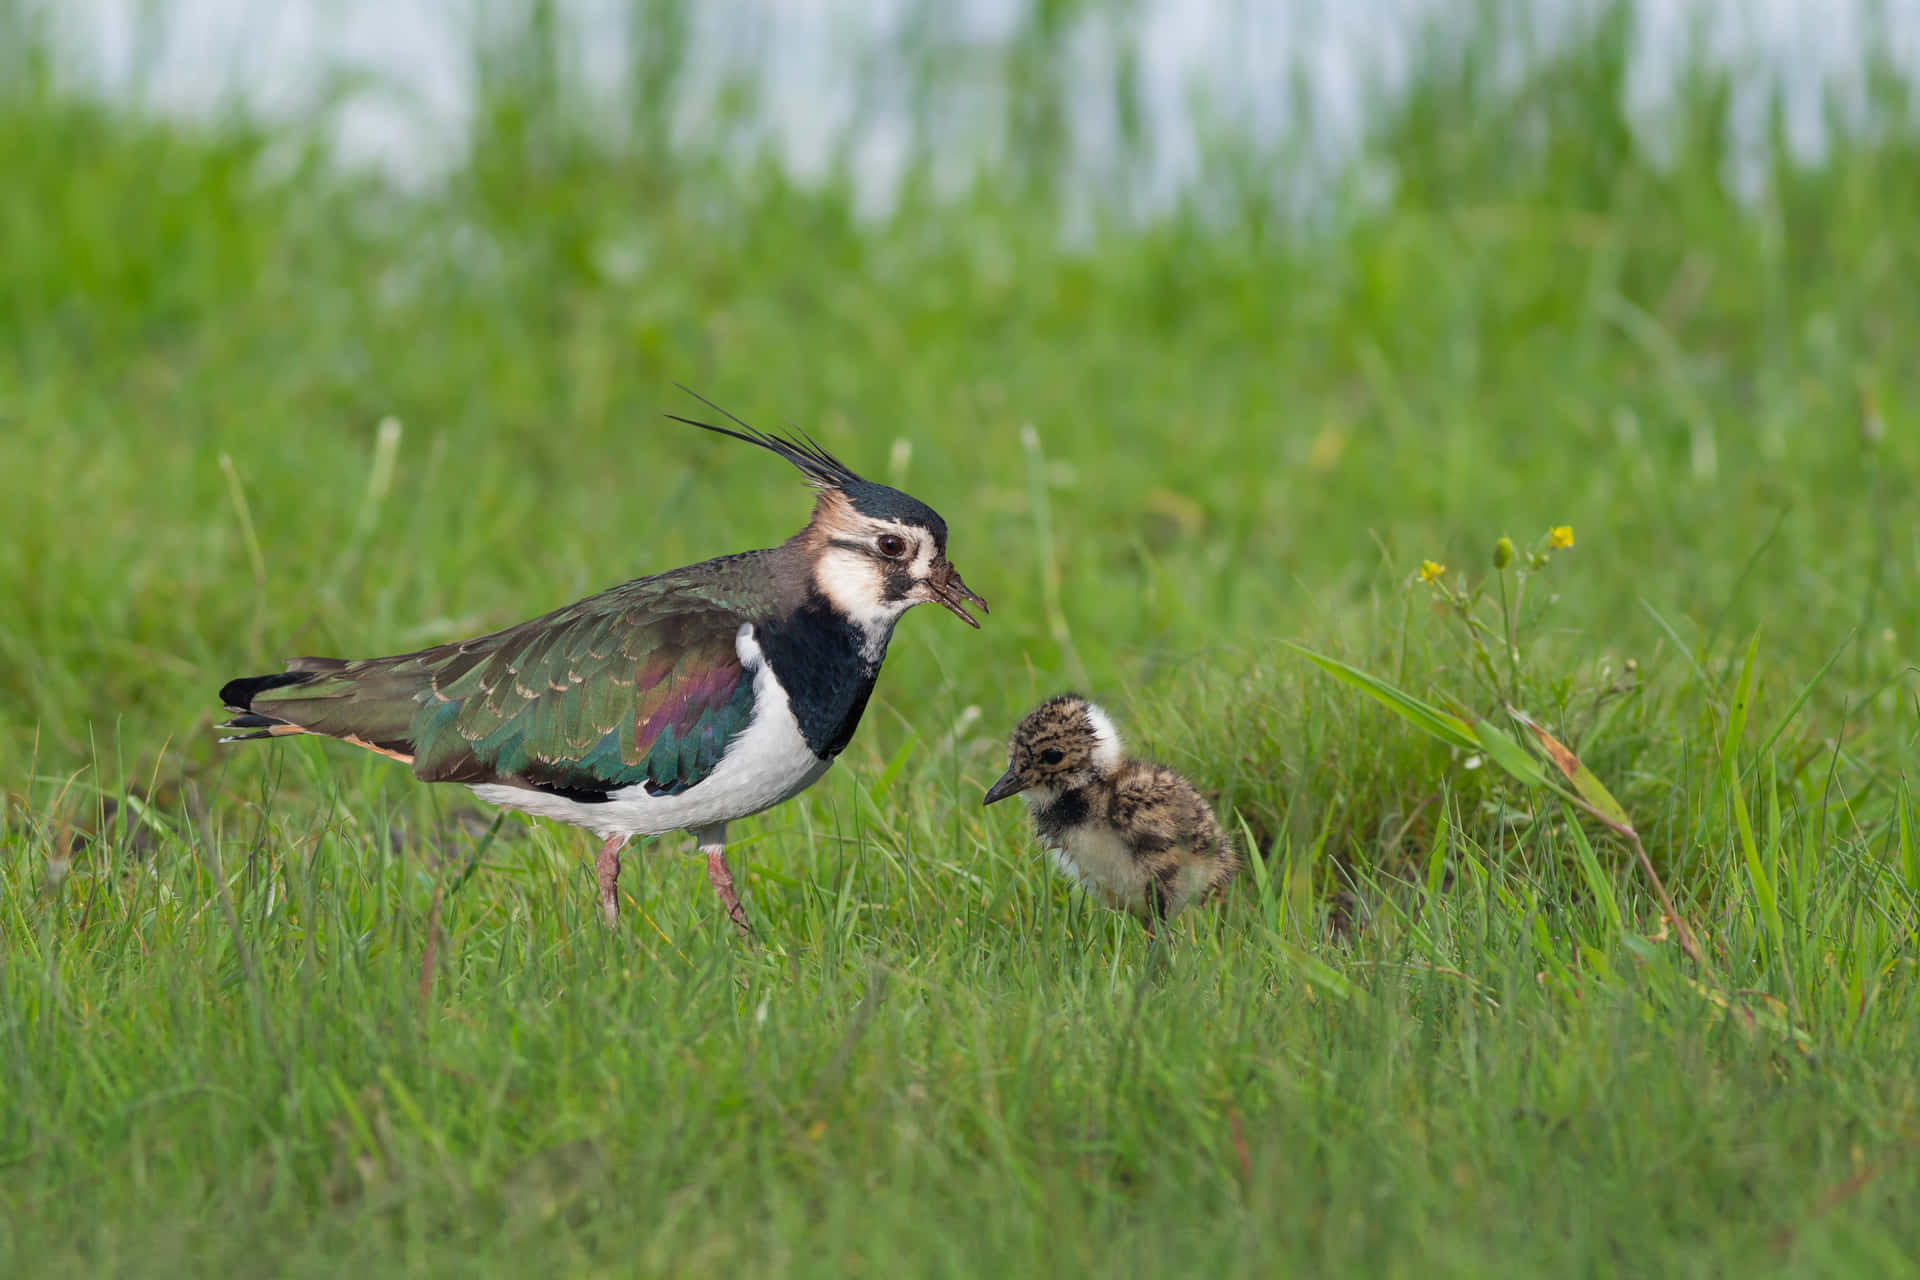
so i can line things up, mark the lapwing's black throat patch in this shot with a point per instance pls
(820, 660)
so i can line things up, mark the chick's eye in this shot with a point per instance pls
(892, 545)
(1053, 755)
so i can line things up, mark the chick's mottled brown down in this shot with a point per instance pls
(1136, 835)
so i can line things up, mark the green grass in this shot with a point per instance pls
(258, 1016)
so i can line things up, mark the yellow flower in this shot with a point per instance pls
(1560, 537)
(1430, 571)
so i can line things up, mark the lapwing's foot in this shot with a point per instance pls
(722, 877)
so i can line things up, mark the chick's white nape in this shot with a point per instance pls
(1108, 751)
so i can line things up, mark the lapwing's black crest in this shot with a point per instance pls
(826, 472)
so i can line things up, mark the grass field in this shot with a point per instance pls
(281, 1010)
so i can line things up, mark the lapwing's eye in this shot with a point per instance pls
(1053, 755)
(892, 546)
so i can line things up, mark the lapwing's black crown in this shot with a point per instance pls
(882, 503)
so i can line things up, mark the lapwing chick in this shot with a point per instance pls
(676, 702)
(1136, 835)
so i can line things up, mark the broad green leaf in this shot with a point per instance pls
(1505, 751)
(1588, 787)
(1425, 716)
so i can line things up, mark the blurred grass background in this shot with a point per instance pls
(256, 403)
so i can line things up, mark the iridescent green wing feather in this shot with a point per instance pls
(638, 686)
(590, 704)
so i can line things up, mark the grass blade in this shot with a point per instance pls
(1800, 700)
(1757, 873)
(1598, 883)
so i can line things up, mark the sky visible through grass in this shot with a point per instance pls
(278, 1009)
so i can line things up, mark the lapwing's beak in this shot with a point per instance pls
(1008, 785)
(954, 594)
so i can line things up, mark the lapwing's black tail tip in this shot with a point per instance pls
(239, 693)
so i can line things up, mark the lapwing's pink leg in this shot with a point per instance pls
(607, 868)
(713, 843)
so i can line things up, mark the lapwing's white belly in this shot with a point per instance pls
(767, 762)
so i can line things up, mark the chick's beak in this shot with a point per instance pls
(954, 594)
(1007, 786)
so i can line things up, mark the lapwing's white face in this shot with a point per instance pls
(872, 569)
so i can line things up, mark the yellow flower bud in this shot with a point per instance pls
(1503, 553)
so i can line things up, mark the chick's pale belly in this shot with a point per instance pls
(1100, 862)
